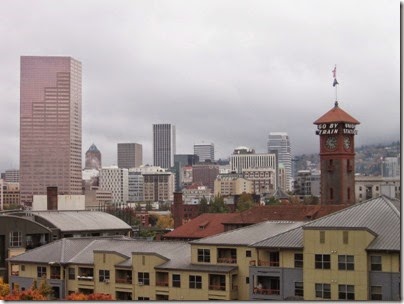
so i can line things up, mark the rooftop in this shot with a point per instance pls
(336, 114)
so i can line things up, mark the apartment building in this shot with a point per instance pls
(352, 254)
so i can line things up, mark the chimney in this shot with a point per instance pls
(52, 198)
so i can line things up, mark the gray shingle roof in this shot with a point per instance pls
(379, 215)
(82, 220)
(250, 234)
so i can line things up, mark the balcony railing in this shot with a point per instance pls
(123, 280)
(85, 278)
(227, 260)
(162, 283)
(217, 287)
(268, 263)
(15, 273)
(264, 291)
(55, 276)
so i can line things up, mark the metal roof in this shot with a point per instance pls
(81, 220)
(249, 235)
(336, 114)
(289, 239)
(379, 215)
(81, 251)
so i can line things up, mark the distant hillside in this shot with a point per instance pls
(367, 158)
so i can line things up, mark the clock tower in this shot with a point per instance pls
(336, 129)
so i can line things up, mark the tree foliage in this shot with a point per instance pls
(272, 201)
(165, 221)
(4, 288)
(90, 297)
(203, 206)
(217, 205)
(245, 202)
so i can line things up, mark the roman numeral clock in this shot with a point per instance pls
(337, 130)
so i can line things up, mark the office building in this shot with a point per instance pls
(50, 126)
(278, 142)
(158, 186)
(263, 179)
(390, 167)
(205, 152)
(204, 174)
(115, 180)
(130, 155)
(246, 158)
(93, 158)
(232, 184)
(135, 187)
(181, 161)
(164, 144)
(12, 176)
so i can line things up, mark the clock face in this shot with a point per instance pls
(347, 143)
(331, 143)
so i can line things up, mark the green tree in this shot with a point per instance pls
(272, 201)
(203, 206)
(245, 202)
(217, 205)
(149, 206)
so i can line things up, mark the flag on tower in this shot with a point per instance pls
(334, 74)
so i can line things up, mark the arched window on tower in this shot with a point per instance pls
(349, 193)
(331, 193)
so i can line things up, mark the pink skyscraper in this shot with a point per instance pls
(50, 126)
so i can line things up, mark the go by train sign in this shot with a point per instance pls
(336, 128)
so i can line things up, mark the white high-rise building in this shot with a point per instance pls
(278, 142)
(205, 152)
(115, 180)
(164, 144)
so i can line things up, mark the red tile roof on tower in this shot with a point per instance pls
(336, 114)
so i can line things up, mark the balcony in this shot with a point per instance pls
(162, 279)
(162, 283)
(123, 280)
(217, 287)
(263, 291)
(15, 273)
(227, 260)
(227, 255)
(85, 278)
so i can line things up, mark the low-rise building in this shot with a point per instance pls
(367, 187)
(352, 254)
(232, 184)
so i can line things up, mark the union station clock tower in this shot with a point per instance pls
(336, 129)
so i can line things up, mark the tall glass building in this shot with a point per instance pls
(163, 145)
(50, 126)
(279, 143)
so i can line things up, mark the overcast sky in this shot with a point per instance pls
(227, 72)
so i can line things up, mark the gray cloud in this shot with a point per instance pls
(227, 72)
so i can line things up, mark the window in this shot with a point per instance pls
(345, 237)
(331, 194)
(22, 267)
(346, 292)
(143, 298)
(346, 262)
(376, 263)
(247, 280)
(176, 280)
(274, 258)
(299, 289)
(323, 291)
(322, 237)
(15, 239)
(41, 271)
(143, 278)
(248, 254)
(195, 282)
(376, 293)
(204, 255)
(103, 275)
(298, 260)
(322, 261)
(72, 273)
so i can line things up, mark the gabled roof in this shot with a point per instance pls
(336, 114)
(68, 221)
(206, 224)
(81, 250)
(379, 215)
(249, 235)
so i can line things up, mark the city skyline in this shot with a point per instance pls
(223, 72)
